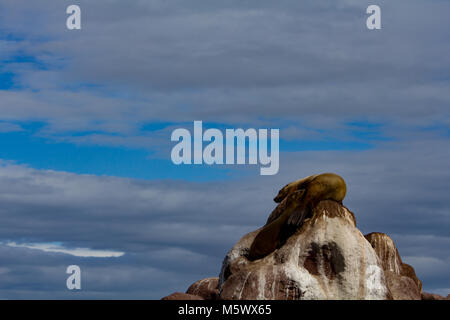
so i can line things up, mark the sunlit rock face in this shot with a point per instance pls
(401, 278)
(326, 258)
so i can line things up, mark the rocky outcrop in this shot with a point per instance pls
(432, 296)
(387, 252)
(401, 278)
(323, 257)
(327, 258)
(182, 296)
(207, 288)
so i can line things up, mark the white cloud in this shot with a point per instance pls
(77, 252)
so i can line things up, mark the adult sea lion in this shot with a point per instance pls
(268, 239)
(297, 199)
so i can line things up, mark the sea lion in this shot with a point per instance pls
(297, 199)
(268, 239)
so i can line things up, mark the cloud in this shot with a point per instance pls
(237, 63)
(35, 274)
(443, 292)
(310, 68)
(77, 252)
(183, 229)
(428, 266)
(9, 127)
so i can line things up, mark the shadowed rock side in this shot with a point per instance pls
(402, 281)
(327, 258)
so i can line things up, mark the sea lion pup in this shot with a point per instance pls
(297, 199)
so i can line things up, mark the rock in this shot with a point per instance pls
(401, 287)
(323, 257)
(182, 296)
(386, 251)
(326, 258)
(432, 296)
(401, 278)
(408, 271)
(205, 288)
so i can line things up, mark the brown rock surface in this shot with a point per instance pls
(182, 296)
(432, 296)
(205, 288)
(401, 278)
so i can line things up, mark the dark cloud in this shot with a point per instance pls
(185, 228)
(306, 66)
(234, 61)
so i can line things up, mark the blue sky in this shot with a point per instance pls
(26, 146)
(86, 118)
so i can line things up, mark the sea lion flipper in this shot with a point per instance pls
(286, 203)
(293, 222)
(297, 217)
(267, 239)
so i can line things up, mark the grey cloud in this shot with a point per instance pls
(291, 60)
(311, 64)
(185, 228)
(33, 274)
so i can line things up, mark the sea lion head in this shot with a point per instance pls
(292, 187)
(287, 189)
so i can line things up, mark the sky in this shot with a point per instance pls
(86, 117)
